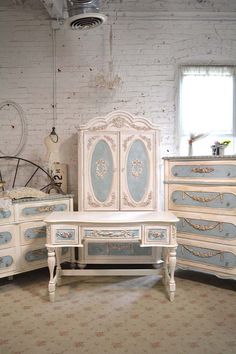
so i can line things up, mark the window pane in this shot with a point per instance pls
(206, 107)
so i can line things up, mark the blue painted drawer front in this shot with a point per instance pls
(207, 256)
(5, 237)
(4, 214)
(126, 234)
(31, 211)
(157, 235)
(204, 199)
(117, 249)
(65, 234)
(6, 261)
(208, 228)
(204, 171)
(40, 254)
(35, 232)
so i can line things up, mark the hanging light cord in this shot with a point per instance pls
(54, 106)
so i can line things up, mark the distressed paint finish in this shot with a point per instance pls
(101, 170)
(4, 214)
(35, 232)
(205, 171)
(204, 199)
(117, 249)
(206, 207)
(209, 228)
(37, 210)
(6, 261)
(137, 168)
(206, 255)
(5, 237)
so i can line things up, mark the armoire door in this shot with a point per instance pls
(138, 168)
(101, 175)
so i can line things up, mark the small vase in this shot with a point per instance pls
(218, 150)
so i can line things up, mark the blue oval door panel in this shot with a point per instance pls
(101, 170)
(137, 170)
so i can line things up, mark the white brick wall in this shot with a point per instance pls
(150, 40)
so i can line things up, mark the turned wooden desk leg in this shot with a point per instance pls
(172, 264)
(52, 280)
(58, 262)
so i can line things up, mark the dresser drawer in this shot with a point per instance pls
(202, 171)
(206, 199)
(210, 258)
(33, 256)
(39, 210)
(210, 228)
(6, 215)
(8, 236)
(7, 261)
(33, 232)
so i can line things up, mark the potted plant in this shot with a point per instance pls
(219, 147)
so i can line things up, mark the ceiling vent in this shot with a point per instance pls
(84, 14)
(75, 14)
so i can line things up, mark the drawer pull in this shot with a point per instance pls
(64, 235)
(45, 209)
(204, 227)
(202, 254)
(203, 170)
(157, 235)
(202, 199)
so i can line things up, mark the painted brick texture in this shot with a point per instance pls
(150, 40)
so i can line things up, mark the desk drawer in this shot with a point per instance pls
(156, 235)
(112, 233)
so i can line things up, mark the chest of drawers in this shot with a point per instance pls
(201, 191)
(23, 233)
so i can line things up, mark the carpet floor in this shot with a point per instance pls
(117, 315)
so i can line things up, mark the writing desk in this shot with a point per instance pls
(114, 229)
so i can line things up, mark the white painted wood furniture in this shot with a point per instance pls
(201, 191)
(118, 161)
(116, 234)
(23, 233)
(118, 180)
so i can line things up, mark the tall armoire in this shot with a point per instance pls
(118, 170)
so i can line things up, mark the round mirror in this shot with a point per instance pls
(13, 128)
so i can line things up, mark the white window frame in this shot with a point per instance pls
(181, 70)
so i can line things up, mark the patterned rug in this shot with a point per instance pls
(99, 315)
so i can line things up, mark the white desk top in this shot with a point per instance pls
(108, 217)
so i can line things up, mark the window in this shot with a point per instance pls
(206, 108)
